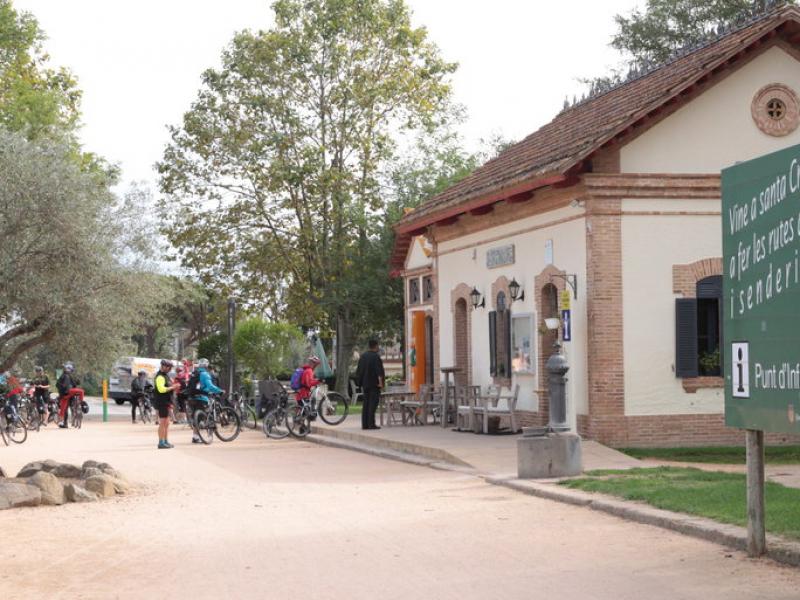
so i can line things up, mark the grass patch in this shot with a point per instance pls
(711, 494)
(731, 455)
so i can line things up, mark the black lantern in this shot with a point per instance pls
(477, 301)
(514, 290)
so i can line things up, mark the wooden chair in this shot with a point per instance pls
(467, 398)
(491, 407)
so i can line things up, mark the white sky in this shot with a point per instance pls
(139, 62)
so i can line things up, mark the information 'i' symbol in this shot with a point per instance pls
(741, 374)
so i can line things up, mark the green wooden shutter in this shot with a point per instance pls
(493, 343)
(686, 337)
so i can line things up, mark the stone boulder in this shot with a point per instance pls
(102, 485)
(50, 486)
(14, 494)
(67, 471)
(76, 493)
(31, 469)
(90, 464)
(2, 473)
(88, 472)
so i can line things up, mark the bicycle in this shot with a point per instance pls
(76, 410)
(29, 412)
(11, 422)
(244, 408)
(331, 407)
(144, 406)
(275, 424)
(52, 409)
(218, 420)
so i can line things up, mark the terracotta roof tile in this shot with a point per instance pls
(578, 131)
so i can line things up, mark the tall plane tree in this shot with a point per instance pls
(273, 180)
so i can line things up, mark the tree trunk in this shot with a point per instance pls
(150, 341)
(345, 343)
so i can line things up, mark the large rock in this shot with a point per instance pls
(87, 472)
(2, 473)
(90, 464)
(50, 486)
(102, 485)
(76, 493)
(14, 494)
(31, 469)
(67, 471)
(121, 486)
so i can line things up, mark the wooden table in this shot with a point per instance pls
(391, 397)
(446, 395)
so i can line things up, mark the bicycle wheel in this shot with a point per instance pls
(144, 413)
(334, 408)
(274, 424)
(298, 421)
(228, 424)
(3, 428)
(249, 418)
(205, 428)
(16, 430)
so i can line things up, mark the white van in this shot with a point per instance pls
(123, 372)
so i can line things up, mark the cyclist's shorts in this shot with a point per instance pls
(162, 406)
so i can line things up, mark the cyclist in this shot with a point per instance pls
(200, 385)
(41, 392)
(182, 378)
(138, 387)
(307, 379)
(67, 386)
(11, 389)
(162, 398)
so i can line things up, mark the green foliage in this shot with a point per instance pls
(214, 347)
(710, 494)
(274, 181)
(652, 35)
(267, 349)
(34, 99)
(64, 287)
(733, 455)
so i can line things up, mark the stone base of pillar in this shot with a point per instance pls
(548, 456)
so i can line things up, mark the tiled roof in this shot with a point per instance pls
(577, 132)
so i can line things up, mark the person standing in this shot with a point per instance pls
(67, 386)
(370, 376)
(41, 392)
(138, 393)
(162, 398)
(200, 386)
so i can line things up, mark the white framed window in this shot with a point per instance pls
(523, 357)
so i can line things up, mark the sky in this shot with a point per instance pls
(139, 62)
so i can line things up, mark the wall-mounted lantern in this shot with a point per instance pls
(515, 291)
(477, 300)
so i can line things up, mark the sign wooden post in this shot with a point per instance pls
(760, 351)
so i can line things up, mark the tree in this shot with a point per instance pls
(62, 285)
(277, 168)
(34, 98)
(268, 349)
(652, 36)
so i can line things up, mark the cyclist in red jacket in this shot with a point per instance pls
(308, 381)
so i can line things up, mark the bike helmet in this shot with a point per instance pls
(85, 407)
(142, 373)
(203, 363)
(314, 360)
(166, 363)
(69, 367)
(38, 369)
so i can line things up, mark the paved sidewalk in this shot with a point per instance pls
(494, 455)
(494, 459)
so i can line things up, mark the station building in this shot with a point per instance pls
(608, 220)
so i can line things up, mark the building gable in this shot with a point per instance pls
(718, 127)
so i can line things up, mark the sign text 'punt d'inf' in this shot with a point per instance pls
(761, 292)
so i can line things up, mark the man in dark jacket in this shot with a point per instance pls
(370, 376)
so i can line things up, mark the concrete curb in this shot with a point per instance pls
(778, 549)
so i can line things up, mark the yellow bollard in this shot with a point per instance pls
(105, 400)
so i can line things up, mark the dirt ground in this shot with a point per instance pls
(284, 519)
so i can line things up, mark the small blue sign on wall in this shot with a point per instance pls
(566, 325)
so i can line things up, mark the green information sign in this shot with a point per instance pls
(761, 292)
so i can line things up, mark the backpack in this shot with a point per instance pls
(193, 387)
(296, 382)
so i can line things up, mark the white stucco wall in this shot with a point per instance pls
(464, 261)
(417, 257)
(716, 129)
(651, 245)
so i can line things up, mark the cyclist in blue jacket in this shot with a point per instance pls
(200, 385)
